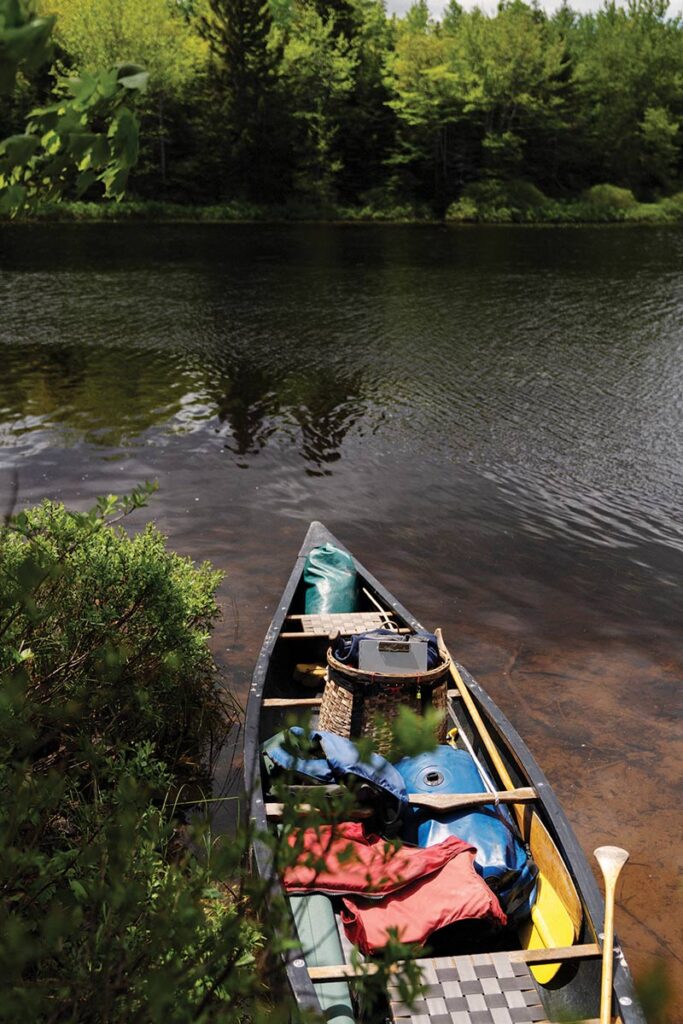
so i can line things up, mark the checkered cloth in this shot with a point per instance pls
(485, 988)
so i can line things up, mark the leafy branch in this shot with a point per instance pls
(88, 135)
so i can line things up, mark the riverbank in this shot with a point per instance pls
(481, 203)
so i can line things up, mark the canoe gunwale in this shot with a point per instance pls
(513, 748)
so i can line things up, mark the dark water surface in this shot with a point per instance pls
(490, 418)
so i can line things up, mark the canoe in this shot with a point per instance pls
(550, 969)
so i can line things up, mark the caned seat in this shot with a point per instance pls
(484, 988)
(332, 623)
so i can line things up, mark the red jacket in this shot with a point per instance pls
(407, 888)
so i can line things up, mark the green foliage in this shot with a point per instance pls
(111, 909)
(156, 34)
(317, 69)
(317, 106)
(610, 198)
(497, 201)
(105, 914)
(625, 60)
(89, 134)
(660, 145)
(414, 734)
(60, 146)
(25, 41)
(244, 91)
(113, 632)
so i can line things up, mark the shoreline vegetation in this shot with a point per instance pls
(118, 903)
(519, 203)
(294, 110)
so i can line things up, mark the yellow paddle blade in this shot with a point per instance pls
(549, 925)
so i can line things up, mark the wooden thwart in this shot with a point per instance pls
(291, 702)
(454, 801)
(433, 801)
(311, 702)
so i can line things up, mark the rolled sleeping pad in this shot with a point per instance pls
(317, 928)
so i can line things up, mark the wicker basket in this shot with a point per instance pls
(357, 703)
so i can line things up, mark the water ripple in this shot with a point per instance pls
(550, 362)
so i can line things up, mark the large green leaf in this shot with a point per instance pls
(123, 134)
(12, 198)
(18, 149)
(22, 42)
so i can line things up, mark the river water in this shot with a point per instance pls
(490, 418)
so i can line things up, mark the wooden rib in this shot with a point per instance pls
(286, 702)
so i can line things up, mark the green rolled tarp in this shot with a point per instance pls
(331, 584)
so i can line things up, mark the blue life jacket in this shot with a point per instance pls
(501, 859)
(329, 759)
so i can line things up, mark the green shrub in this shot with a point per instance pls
(650, 213)
(464, 210)
(112, 633)
(113, 909)
(673, 206)
(523, 195)
(499, 202)
(610, 197)
(105, 915)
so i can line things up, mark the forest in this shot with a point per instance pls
(326, 106)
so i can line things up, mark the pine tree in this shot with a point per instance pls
(342, 13)
(244, 71)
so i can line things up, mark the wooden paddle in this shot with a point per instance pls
(611, 860)
(557, 914)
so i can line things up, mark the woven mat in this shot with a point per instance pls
(485, 988)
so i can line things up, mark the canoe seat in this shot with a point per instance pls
(482, 988)
(331, 624)
(486, 988)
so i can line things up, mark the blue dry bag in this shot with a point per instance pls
(501, 859)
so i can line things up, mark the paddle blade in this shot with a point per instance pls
(549, 925)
